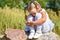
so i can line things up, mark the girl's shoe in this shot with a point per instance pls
(37, 35)
(31, 35)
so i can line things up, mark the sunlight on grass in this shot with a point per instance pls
(11, 18)
(14, 18)
(56, 20)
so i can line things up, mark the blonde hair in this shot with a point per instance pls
(36, 4)
(31, 6)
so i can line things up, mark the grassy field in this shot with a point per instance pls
(14, 18)
(11, 18)
(56, 20)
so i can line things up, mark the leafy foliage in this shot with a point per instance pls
(43, 3)
(12, 3)
(54, 4)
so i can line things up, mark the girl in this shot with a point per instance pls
(41, 21)
(33, 17)
(44, 16)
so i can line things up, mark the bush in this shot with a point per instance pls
(43, 3)
(12, 3)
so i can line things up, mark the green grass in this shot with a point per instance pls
(11, 18)
(56, 20)
(14, 18)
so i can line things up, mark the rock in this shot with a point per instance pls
(15, 34)
(1, 36)
(48, 36)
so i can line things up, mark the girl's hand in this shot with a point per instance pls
(31, 24)
(28, 23)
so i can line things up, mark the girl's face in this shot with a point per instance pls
(38, 9)
(33, 11)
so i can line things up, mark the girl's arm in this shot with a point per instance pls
(42, 20)
(29, 20)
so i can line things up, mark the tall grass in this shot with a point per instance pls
(14, 18)
(56, 20)
(11, 18)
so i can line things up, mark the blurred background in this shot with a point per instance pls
(12, 13)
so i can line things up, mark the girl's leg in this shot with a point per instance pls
(51, 24)
(32, 32)
(45, 28)
(38, 31)
(27, 28)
